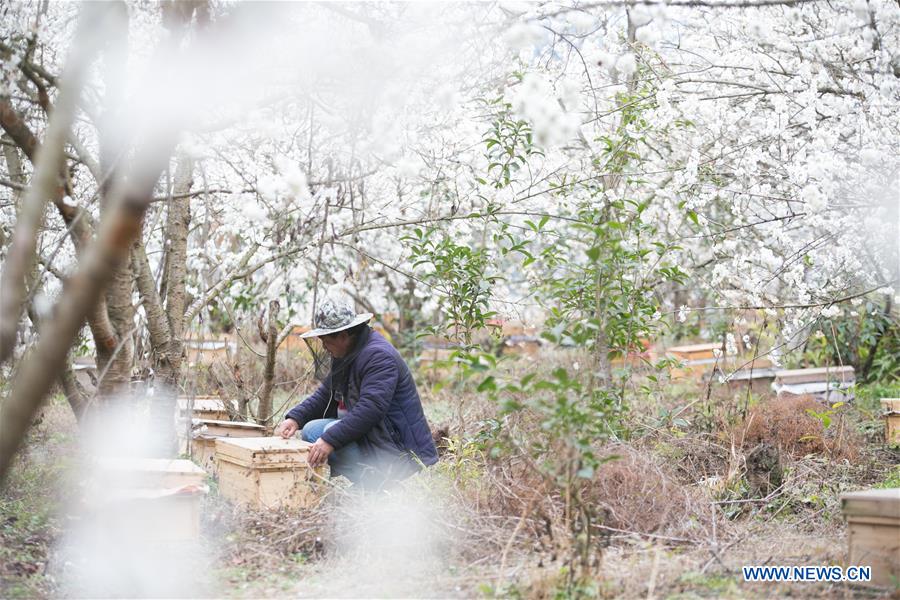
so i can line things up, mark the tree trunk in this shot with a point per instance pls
(271, 337)
(165, 343)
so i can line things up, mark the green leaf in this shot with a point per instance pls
(488, 384)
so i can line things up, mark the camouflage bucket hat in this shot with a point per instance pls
(335, 315)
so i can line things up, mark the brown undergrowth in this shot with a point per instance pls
(790, 423)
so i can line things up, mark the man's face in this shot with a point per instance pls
(337, 344)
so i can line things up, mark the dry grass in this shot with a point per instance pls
(638, 493)
(788, 423)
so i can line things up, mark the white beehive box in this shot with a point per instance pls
(829, 384)
(268, 472)
(148, 499)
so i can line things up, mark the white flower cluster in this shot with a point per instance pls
(536, 100)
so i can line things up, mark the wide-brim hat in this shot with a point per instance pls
(333, 316)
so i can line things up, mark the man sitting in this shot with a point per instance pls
(366, 417)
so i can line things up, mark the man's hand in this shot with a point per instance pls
(319, 452)
(287, 428)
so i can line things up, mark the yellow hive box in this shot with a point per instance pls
(207, 431)
(268, 472)
(694, 351)
(873, 531)
(696, 359)
(891, 414)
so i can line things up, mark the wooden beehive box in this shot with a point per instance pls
(758, 379)
(873, 532)
(268, 472)
(151, 500)
(522, 345)
(202, 407)
(696, 359)
(815, 375)
(891, 414)
(206, 432)
(694, 351)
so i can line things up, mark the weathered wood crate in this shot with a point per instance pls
(873, 532)
(268, 472)
(151, 500)
(205, 433)
(890, 408)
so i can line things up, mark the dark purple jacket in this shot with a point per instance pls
(385, 413)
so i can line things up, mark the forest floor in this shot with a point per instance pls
(684, 516)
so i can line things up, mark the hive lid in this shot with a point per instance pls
(890, 405)
(706, 347)
(233, 424)
(815, 374)
(149, 472)
(260, 451)
(745, 374)
(209, 404)
(884, 503)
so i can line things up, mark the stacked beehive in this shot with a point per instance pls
(205, 432)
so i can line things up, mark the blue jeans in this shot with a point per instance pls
(346, 461)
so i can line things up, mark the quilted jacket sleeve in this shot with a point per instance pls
(313, 407)
(379, 378)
